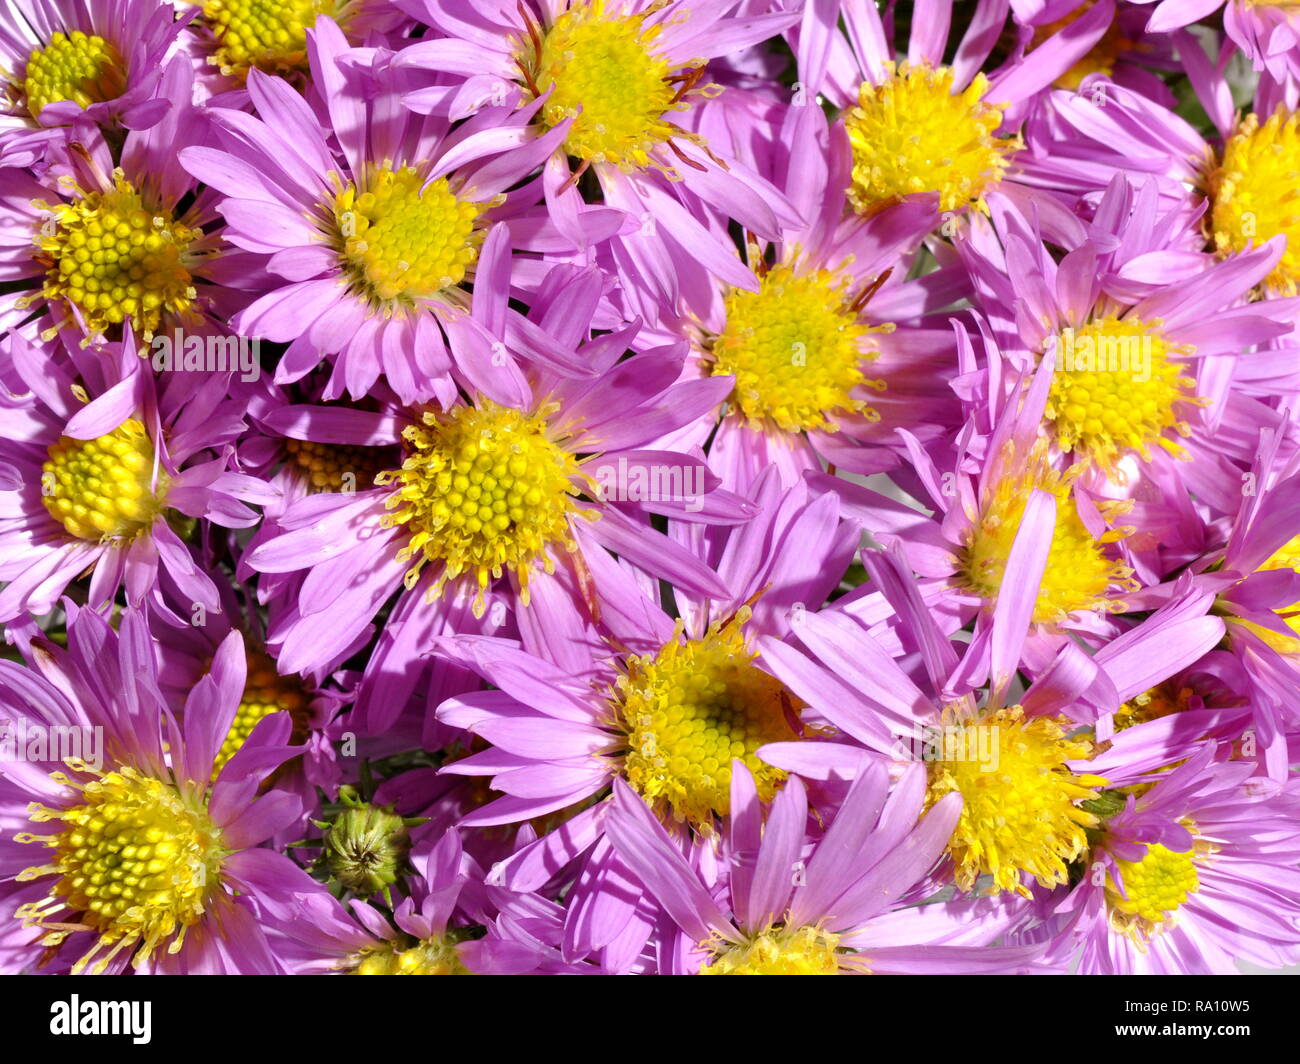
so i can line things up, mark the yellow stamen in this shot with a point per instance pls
(780, 951)
(431, 956)
(111, 255)
(692, 708)
(1255, 194)
(102, 489)
(797, 350)
(1021, 810)
(400, 240)
(85, 69)
(913, 133)
(270, 35)
(484, 489)
(137, 862)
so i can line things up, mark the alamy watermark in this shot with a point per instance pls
(24, 741)
(209, 354)
(1104, 354)
(975, 743)
(623, 481)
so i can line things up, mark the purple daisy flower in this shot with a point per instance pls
(134, 852)
(118, 238)
(367, 247)
(1188, 876)
(112, 485)
(81, 60)
(787, 908)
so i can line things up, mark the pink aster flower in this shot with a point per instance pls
(112, 479)
(539, 478)
(1188, 877)
(179, 884)
(920, 126)
(72, 60)
(829, 343)
(368, 246)
(105, 238)
(626, 81)
(790, 908)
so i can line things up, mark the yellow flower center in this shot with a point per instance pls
(796, 348)
(1021, 801)
(693, 708)
(1161, 701)
(401, 240)
(1078, 574)
(1117, 390)
(780, 951)
(913, 133)
(268, 34)
(111, 255)
(265, 692)
(77, 67)
(1099, 59)
(483, 489)
(336, 466)
(103, 489)
(1286, 556)
(1154, 887)
(431, 956)
(1255, 194)
(604, 73)
(137, 862)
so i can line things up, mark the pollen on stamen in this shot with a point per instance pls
(1021, 813)
(104, 489)
(111, 255)
(400, 240)
(797, 349)
(1254, 194)
(913, 133)
(607, 73)
(270, 35)
(1079, 574)
(780, 950)
(431, 956)
(1118, 388)
(484, 490)
(83, 68)
(691, 709)
(1143, 896)
(137, 862)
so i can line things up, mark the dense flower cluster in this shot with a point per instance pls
(649, 486)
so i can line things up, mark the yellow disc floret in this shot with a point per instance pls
(1099, 59)
(1151, 889)
(430, 956)
(1160, 701)
(74, 66)
(270, 35)
(690, 710)
(104, 489)
(484, 489)
(401, 240)
(336, 466)
(1078, 575)
(1021, 810)
(1255, 194)
(779, 951)
(797, 350)
(1286, 556)
(605, 72)
(265, 692)
(137, 862)
(1117, 390)
(111, 255)
(912, 133)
